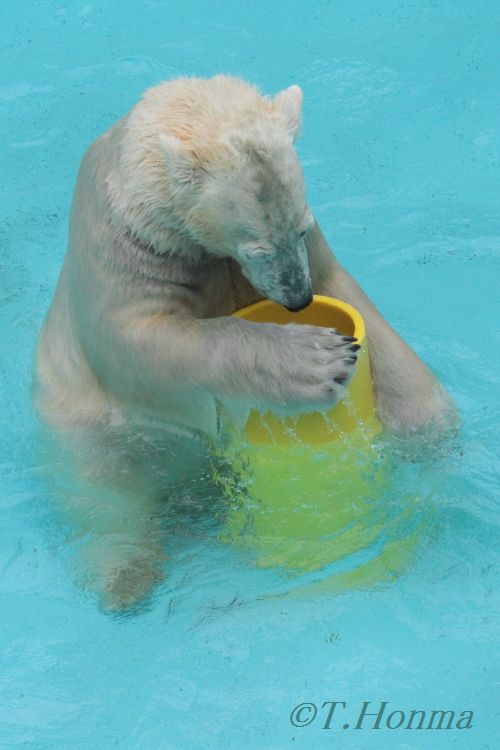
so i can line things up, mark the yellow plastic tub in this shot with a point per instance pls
(305, 493)
(355, 409)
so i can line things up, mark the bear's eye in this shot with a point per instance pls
(254, 251)
(258, 252)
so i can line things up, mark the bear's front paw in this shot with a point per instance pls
(420, 407)
(316, 364)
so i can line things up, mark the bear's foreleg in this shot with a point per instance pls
(408, 396)
(169, 362)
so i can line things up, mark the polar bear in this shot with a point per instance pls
(189, 208)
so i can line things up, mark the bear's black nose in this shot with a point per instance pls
(297, 308)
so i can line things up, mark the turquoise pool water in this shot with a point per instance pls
(400, 149)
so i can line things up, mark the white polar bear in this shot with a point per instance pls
(186, 210)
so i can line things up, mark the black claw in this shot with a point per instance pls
(341, 379)
(354, 347)
(350, 360)
(349, 338)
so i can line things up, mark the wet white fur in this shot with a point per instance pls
(189, 208)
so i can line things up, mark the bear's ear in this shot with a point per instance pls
(289, 104)
(178, 162)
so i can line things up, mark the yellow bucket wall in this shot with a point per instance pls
(305, 493)
(356, 407)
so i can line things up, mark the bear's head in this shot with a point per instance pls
(243, 194)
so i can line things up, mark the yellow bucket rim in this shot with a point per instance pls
(359, 328)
